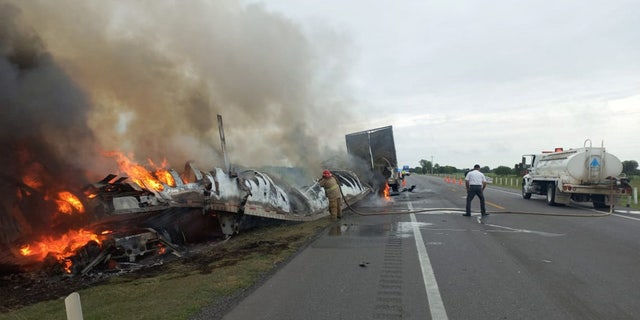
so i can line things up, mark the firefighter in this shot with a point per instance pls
(332, 190)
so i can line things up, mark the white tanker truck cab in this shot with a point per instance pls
(584, 174)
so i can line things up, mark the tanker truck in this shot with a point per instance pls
(587, 174)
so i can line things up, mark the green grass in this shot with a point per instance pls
(180, 289)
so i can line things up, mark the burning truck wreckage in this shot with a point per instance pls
(161, 212)
(67, 212)
(153, 211)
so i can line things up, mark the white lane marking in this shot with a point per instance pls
(627, 211)
(436, 306)
(626, 217)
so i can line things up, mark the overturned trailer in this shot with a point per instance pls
(231, 197)
(134, 221)
(255, 194)
(377, 152)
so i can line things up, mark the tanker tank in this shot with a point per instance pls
(579, 166)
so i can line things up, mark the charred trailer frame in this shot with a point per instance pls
(376, 149)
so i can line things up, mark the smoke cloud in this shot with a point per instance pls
(149, 77)
(158, 72)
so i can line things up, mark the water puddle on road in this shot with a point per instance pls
(405, 229)
(519, 230)
(376, 230)
(398, 229)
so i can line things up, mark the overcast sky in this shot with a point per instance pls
(484, 82)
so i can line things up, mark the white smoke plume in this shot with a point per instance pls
(148, 78)
(157, 73)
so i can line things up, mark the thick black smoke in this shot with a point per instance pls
(44, 135)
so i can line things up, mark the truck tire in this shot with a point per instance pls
(525, 195)
(551, 194)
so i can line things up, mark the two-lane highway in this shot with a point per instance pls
(441, 265)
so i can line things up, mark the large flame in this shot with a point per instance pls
(165, 177)
(61, 248)
(140, 175)
(67, 202)
(162, 173)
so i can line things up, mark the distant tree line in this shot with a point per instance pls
(629, 167)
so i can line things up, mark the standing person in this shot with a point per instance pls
(475, 182)
(332, 190)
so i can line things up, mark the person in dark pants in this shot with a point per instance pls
(475, 182)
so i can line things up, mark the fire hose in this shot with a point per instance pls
(557, 214)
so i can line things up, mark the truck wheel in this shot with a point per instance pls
(525, 195)
(551, 194)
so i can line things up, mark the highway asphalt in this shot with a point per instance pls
(385, 263)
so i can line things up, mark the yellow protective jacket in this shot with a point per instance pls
(331, 187)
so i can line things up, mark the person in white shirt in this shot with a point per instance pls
(475, 182)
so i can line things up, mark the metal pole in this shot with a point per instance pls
(224, 144)
(431, 164)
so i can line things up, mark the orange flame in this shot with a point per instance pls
(139, 174)
(32, 182)
(67, 202)
(61, 248)
(386, 193)
(67, 265)
(165, 176)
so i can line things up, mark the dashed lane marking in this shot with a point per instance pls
(436, 306)
(626, 217)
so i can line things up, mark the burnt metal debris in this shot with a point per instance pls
(134, 222)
